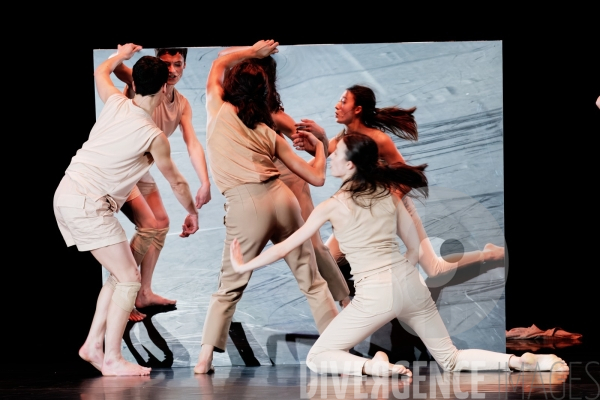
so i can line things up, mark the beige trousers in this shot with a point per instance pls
(255, 214)
(328, 268)
(396, 292)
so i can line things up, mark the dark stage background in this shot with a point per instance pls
(550, 121)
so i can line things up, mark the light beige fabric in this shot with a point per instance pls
(257, 213)
(325, 262)
(236, 153)
(125, 294)
(113, 159)
(387, 287)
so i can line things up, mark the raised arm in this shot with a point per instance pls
(317, 218)
(104, 84)
(124, 74)
(197, 156)
(160, 149)
(214, 82)
(312, 172)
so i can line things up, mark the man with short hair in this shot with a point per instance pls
(145, 207)
(122, 146)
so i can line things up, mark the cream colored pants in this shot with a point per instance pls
(255, 214)
(396, 292)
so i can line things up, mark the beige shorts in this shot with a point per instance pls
(145, 186)
(87, 223)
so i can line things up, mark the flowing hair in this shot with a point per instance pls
(395, 120)
(373, 180)
(246, 87)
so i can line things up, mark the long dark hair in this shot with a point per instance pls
(246, 87)
(395, 120)
(373, 180)
(269, 65)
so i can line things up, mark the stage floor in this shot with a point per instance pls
(296, 382)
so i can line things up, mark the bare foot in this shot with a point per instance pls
(204, 365)
(380, 365)
(136, 316)
(491, 252)
(147, 298)
(538, 362)
(93, 354)
(121, 367)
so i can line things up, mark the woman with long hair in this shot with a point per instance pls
(367, 214)
(357, 110)
(286, 126)
(242, 144)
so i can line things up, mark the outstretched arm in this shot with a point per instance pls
(197, 156)
(316, 219)
(160, 149)
(104, 84)
(312, 172)
(214, 82)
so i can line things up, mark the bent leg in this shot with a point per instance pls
(301, 260)
(373, 306)
(110, 320)
(435, 265)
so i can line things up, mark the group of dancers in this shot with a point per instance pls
(266, 187)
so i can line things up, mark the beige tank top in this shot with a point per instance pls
(369, 238)
(167, 114)
(236, 153)
(113, 159)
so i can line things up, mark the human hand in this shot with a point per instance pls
(264, 48)
(312, 127)
(203, 196)
(190, 225)
(128, 50)
(236, 256)
(304, 140)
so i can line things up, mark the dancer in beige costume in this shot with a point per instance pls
(144, 207)
(122, 146)
(367, 215)
(241, 148)
(357, 110)
(285, 125)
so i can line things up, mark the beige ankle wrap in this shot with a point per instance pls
(125, 294)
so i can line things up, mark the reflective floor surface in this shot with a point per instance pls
(297, 382)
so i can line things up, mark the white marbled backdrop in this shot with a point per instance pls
(457, 89)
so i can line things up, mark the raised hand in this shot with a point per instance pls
(304, 140)
(128, 50)
(311, 126)
(264, 48)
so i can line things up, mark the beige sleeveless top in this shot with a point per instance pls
(236, 153)
(168, 113)
(113, 158)
(369, 238)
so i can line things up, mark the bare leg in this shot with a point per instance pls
(92, 350)
(204, 365)
(110, 320)
(146, 297)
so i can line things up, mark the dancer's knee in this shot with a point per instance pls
(125, 294)
(142, 239)
(111, 282)
(161, 236)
